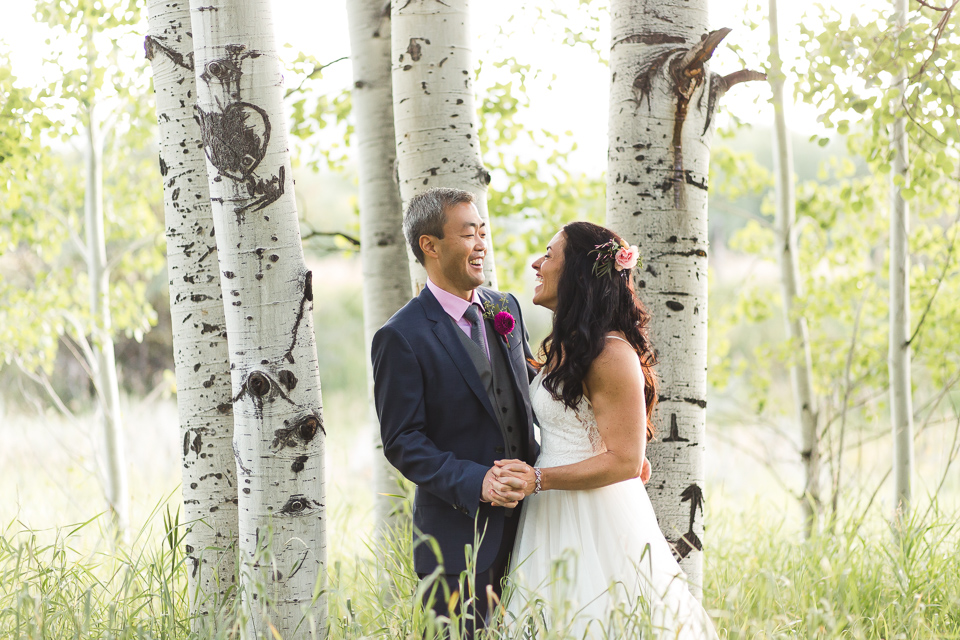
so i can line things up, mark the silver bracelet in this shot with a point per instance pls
(536, 485)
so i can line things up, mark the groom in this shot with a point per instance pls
(451, 391)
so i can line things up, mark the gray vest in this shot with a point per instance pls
(498, 380)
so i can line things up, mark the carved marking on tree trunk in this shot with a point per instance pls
(689, 541)
(150, 47)
(674, 431)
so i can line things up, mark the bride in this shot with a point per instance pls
(589, 559)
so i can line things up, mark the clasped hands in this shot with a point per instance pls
(508, 482)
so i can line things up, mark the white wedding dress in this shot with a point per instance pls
(593, 563)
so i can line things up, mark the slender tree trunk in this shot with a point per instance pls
(386, 274)
(105, 367)
(196, 309)
(268, 294)
(436, 122)
(901, 401)
(801, 371)
(662, 100)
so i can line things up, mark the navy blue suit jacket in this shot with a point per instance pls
(439, 428)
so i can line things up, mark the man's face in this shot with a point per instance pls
(461, 251)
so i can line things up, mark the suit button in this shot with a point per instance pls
(503, 409)
(510, 429)
(498, 450)
(513, 449)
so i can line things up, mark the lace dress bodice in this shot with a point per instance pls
(565, 436)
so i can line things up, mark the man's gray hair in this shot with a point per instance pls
(426, 215)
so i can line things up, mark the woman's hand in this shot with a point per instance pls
(513, 472)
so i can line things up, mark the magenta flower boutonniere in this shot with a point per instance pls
(503, 320)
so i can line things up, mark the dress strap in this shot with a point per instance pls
(618, 338)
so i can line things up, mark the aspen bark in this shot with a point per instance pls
(268, 303)
(901, 401)
(383, 252)
(801, 371)
(662, 100)
(196, 308)
(434, 112)
(104, 368)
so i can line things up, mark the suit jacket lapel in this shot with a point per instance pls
(493, 336)
(444, 329)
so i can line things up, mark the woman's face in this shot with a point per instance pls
(548, 268)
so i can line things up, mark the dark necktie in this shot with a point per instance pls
(472, 314)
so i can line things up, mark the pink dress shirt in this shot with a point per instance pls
(455, 306)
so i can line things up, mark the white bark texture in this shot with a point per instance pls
(901, 401)
(268, 297)
(658, 163)
(383, 252)
(801, 371)
(104, 367)
(433, 106)
(196, 308)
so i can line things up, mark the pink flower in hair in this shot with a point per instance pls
(626, 257)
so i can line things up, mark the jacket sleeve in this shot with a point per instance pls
(398, 391)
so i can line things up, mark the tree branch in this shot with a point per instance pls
(313, 233)
(940, 28)
(133, 247)
(924, 3)
(769, 464)
(835, 499)
(316, 71)
(43, 381)
(691, 64)
(744, 75)
(943, 273)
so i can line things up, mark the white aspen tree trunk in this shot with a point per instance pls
(199, 327)
(662, 100)
(383, 252)
(901, 401)
(801, 371)
(268, 298)
(104, 369)
(433, 108)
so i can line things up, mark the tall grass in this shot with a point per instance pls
(859, 579)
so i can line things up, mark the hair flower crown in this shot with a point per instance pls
(614, 256)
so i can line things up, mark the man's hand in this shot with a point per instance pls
(517, 473)
(507, 492)
(645, 471)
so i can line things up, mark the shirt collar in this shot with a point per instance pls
(453, 305)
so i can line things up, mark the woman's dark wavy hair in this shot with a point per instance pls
(589, 308)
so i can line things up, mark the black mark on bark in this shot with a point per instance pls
(673, 305)
(307, 297)
(297, 504)
(674, 431)
(236, 454)
(288, 379)
(302, 432)
(689, 541)
(235, 139)
(415, 50)
(298, 464)
(151, 45)
(650, 38)
(258, 384)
